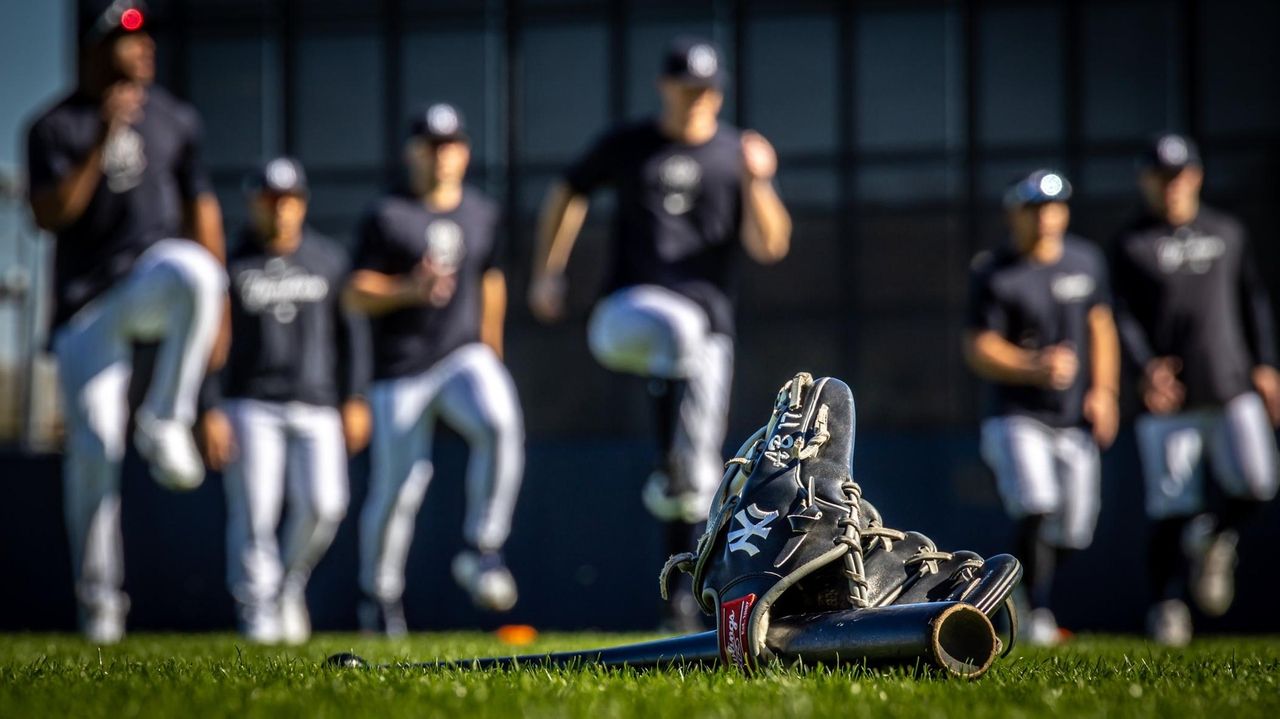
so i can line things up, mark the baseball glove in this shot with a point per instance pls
(790, 533)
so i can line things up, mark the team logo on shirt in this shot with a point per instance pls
(681, 177)
(1190, 253)
(1072, 288)
(445, 249)
(279, 288)
(123, 160)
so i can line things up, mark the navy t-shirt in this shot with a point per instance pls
(291, 339)
(1035, 306)
(1194, 293)
(394, 236)
(679, 217)
(150, 170)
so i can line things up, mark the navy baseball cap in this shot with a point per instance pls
(439, 122)
(1170, 153)
(100, 19)
(693, 61)
(280, 176)
(1038, 188)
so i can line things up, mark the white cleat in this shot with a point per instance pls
(295, 620)
(103, 626)
(260, 625)
(170, 450)
(486, 579)
(1213, 565)
(1042, 629)
(1169, 623)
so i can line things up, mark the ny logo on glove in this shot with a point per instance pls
(740, 539)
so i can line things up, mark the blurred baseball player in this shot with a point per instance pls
(1194, 317)
(1042, 333)
(692, 193)
(427, 272)
(114, 172)
(273, 412)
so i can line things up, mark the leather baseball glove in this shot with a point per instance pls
(790, 534)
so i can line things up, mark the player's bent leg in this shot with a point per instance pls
(318, 497)
(648, 331)
(254, 483)
(174, 295)
(479, 400)
(399, 472)
(700, 428)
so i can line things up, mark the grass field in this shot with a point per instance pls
(215, 675)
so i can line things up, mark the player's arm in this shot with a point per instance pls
(62, 187)
(493, 308)
(1101, 403)
(994, 358)
(376, 293)
(1260, 329)
(373, 289)
(766, 224)
(354, 373)
(1162, 392)
(563, 214)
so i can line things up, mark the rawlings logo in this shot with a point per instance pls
(740, 539)
(733, 631)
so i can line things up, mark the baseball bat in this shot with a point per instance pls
(952, 636)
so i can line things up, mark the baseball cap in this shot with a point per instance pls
(100, 19)
(693, 61)
(1038, 188)
(439, 122)
(1170, 152)
(279, 175)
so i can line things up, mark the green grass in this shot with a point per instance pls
(215, 675)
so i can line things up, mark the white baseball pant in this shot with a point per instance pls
(651, 331)
(1241, 447)
(173, 294)
(282, 445)
(1046, 470)
(472, 392)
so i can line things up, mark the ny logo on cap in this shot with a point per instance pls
(1051, 185)
(281, 174)
(1172, 150)
(702, 61)
(442, 119)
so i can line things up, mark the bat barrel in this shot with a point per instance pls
(952, 636)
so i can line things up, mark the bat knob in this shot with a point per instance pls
(346, 660)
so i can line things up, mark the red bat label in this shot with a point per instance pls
(733, 631)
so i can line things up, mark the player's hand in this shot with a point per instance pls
(217, 440)
(546, 296)
(356, 424)
(431, 285)
(1057, 366)
(1162, 391)
(758, 156)
(122, 104)
(1266, 380)
(1102, 410)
